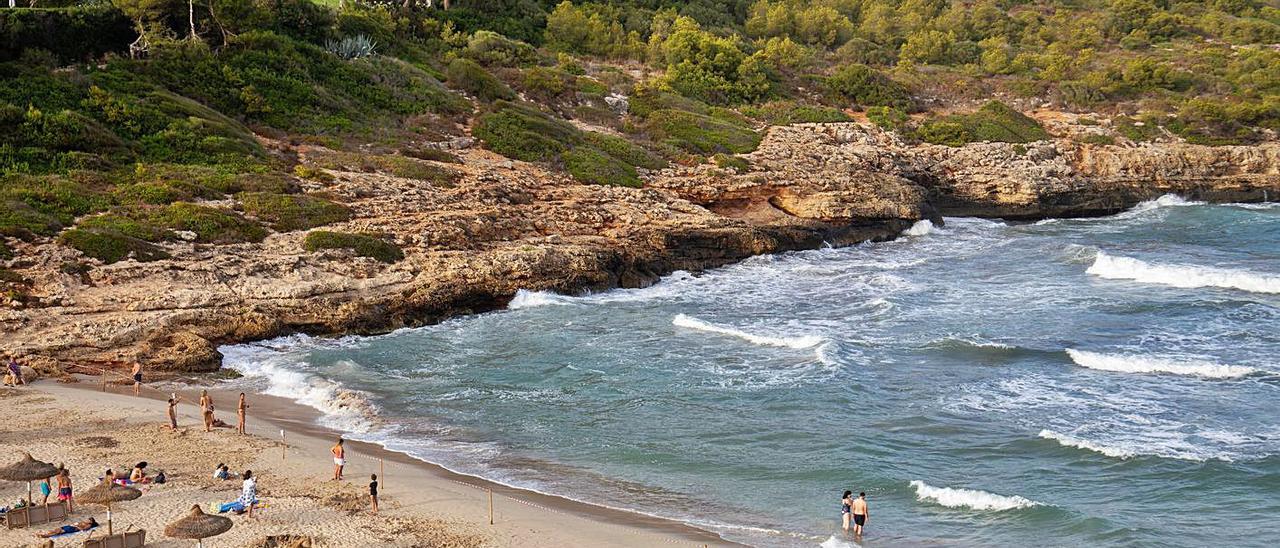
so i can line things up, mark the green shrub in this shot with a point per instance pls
(644, 100)
(546, 83)
(364, 245)
(866, 86)
(790, 112)
(432, 154)
(624, 150)
(1097, 139)
(210, 225)
(466, 75)
(524, 133)
(72, 34)
(289, 212)
(994, 122)
(888, 118)
(492, 49)
(5, 252)
(700, 134)
(110, 246)
(42, 205)
(593, 166)
(740, 165)
(312, 173)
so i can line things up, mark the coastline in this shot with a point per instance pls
(410, 486)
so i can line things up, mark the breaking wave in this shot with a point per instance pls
(969, 498)
(1144, 364)
(1072, 441)
(341, 408)
(804, 341)
(1184, 276)
(920, 228)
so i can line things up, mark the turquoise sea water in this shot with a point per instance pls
(1108, 381)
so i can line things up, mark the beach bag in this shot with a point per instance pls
(160, 477)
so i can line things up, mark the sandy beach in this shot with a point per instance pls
(421, 504)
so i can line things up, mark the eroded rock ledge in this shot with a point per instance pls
(507, 226)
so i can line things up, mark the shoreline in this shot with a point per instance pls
(309, 441)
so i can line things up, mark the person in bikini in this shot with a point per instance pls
(860, 514)
(173, 411)
(240, 413)
(206, 408)
(846, 503)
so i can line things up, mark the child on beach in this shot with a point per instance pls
(240, 412)
(15, 373)
(373, 492)
(64, 488)
(136, 373)
(173, 411)
(46, 489)
(339, 459)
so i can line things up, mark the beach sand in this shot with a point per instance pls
(421, 504)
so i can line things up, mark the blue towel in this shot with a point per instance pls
(69, 533)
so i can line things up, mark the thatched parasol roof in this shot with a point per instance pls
(107, 493)
(198, 525)
(28, 469)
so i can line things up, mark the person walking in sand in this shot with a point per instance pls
(860, 514)
(373, 492)
(137, 378)
(339, 459)
(240, 412)
(173, 410)
(846, 506)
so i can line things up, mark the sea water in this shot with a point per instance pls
(1109, 381)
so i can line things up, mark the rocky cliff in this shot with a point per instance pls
(507, 225)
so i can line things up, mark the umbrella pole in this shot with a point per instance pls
(30, 501)
(108, 519)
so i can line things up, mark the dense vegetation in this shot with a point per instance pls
(120, 118)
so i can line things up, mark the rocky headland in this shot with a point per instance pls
(506, 225)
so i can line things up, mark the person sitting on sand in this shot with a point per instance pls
(68, 529)
(222, 472)
(64, 488)
(15, 372)
(139, 473)
(860, 514)
(339, 459)
(248, 492)
(173, 411)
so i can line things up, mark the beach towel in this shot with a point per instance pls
(71, 533)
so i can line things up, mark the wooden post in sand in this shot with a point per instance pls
(490, 506)
(381, 474)
(104, 379)
(283, 446)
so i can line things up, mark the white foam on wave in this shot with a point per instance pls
(801, 342)
(1068, 440)
(1146, 364)
(920, 228)
(1167, 200)
(1184, 276)
(341, 408)
(836, 542)
(969, 498)
(532, 299)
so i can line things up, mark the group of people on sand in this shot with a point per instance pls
(853, 510)
(63, 482)
(206, 412)
(339, 451)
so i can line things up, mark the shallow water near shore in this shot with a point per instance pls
(1102, 381)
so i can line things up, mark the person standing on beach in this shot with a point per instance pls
(373, 492)
(137, 378)
(846, 505)
(206, 408)
(173, 411)
(339, 459)
(64, 488)
(240, 412)
(860, 514)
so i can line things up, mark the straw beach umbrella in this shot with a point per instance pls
(198, 525)
(106, 493)
(28, 470)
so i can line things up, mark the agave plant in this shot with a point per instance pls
(352, 47)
